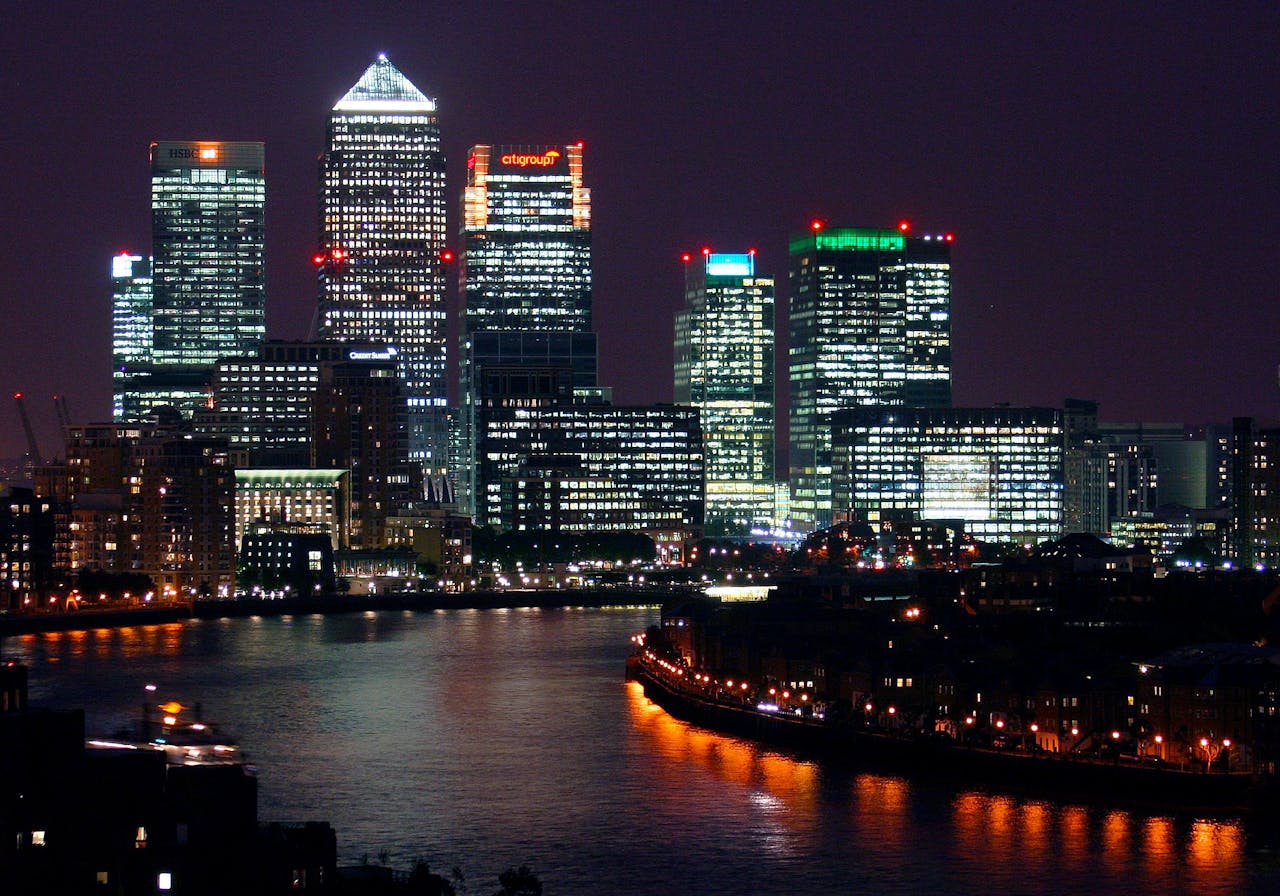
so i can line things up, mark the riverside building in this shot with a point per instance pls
(870, 325)
(155, 499)
(724, 340)
(382, 230)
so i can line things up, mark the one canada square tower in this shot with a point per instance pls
(382, 231)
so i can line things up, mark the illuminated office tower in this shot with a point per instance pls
(999, 471)
(201, 296)
(870, 325)
(262, 403)
(382, 223)
(724, 367)
(525, 274)
(527, 239)
(130, 326)
(208, 205)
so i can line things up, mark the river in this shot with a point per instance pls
(487, 739)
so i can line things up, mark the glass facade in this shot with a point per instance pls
(870, 325)
(208, 208)
(201, 296)
(382, 234)
(263, 403)
(527, 239)
(652, 455)
(131, 286)
(525, 276)
(999, 471)
(724, 352)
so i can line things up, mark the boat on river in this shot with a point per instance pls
(177, 730)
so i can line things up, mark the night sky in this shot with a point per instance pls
(1109, 170)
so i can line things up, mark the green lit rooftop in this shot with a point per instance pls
(849, 238)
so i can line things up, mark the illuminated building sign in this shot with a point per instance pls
(388, 355)
(725, 265)
(203, 153)
(524, 160)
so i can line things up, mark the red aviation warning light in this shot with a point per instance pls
(816, 224)
(686, 257)
(904, 225)
(751, 252)
(706, 251)
(446, 256)
(318, 259)
(950, 237)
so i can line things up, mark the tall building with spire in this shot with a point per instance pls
(724, 338)
(382, 235)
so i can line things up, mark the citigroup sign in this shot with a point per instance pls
(524, 160)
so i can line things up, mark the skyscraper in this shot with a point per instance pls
(527, 239)
(382, 232)
(526, 274)
(208, 213)
(130, 325)
(202, 295)
(724, 341)
(870, 325)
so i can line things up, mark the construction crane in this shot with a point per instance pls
(64, 419)
(33, 450)
(60, 405)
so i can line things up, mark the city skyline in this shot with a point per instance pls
(1105, 175)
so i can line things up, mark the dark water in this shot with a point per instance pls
(489, 739)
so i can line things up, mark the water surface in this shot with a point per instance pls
(485, 739)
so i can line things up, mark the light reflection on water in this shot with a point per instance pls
(487, 739)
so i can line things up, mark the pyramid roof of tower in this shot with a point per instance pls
(384, 88)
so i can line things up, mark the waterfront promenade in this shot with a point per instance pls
(939, 757)
(77, 620)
